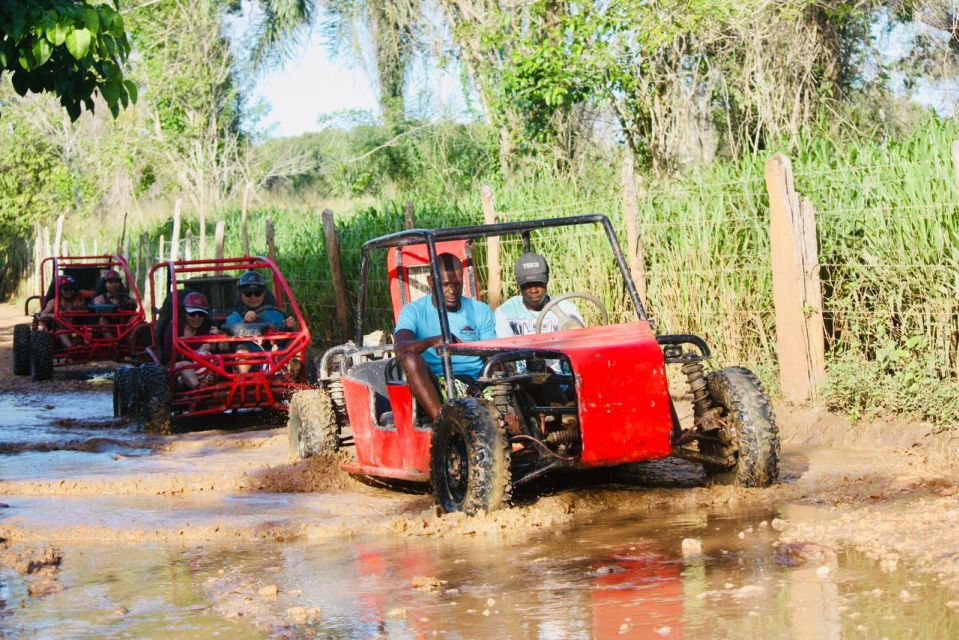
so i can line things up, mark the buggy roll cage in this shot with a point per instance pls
(281, 291)
(59, 263)
(430, 237)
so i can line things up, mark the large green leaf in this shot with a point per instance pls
(92, 19)
(78, 43)
(42, 50)
(131, 90)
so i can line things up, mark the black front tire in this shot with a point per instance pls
(21, 349)
(155, 402)
(749, 433)
(470, 458)
(312, 425)
(126, 385)
(41, 355)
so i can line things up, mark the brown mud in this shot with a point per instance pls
(214, 532)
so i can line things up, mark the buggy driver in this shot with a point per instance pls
(418, 333)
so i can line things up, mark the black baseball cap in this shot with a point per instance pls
(531, 267)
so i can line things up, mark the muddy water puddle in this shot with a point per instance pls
(612, 578)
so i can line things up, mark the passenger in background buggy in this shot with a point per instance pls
(110, 290)
(257, 304)
(70, 301)
(194, 320)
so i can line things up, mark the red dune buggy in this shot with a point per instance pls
(502, 433)
(241, 366)
(75, 329)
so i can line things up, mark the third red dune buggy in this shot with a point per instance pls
(501, 433)
(78, 329)
(246, 365)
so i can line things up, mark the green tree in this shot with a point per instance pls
(72, 48)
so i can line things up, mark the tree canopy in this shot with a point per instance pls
(71, 48)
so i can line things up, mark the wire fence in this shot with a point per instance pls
(887, 241)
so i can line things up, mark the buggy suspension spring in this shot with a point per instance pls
(568, 435)
(697, 385)
(500, 393)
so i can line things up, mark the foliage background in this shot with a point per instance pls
(699, 94)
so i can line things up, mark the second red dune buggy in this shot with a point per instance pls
(503, 431)
(236, 362)
(89, 311)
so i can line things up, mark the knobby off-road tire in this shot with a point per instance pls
(312, 426)
(470, 457)
(21, 349)
(154, 401)
(750, 430)
(41, 355)
(126, 386)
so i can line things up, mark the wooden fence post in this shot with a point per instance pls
(408, 221)
(635, 254)
(336, 269)
(201, 249)
(142, 255)
(494, 284)
(59, 234)
(800, 334)
(244, 213)
(219, 238)
(175, 236)
(270, 240)
(188, 245)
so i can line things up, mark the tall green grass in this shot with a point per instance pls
(888, 230)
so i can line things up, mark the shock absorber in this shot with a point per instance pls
(500, 394)
(697, 385)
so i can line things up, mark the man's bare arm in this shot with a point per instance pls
(405, 342)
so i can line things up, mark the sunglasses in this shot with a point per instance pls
(196, 314)
(252, 292)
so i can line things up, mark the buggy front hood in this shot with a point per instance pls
(621, 387)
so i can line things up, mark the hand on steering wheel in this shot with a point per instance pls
(567, 321)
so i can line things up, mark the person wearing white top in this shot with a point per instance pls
(517, 316)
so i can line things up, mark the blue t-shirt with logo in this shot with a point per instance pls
(471, 322)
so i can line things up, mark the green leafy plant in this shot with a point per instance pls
(72, 48)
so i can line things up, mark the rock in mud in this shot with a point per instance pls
(427, 583)
(779, 524)
(692, 548)
(44, 585)
(302, 615)
(269, 591)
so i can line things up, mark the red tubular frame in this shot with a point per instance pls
(93, 347)
(263, 388)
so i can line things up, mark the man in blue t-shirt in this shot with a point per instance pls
(417, 333)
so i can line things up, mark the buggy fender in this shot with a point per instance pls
(621, 387)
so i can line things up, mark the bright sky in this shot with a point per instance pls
(311, 84)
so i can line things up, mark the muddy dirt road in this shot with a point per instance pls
(213, 533)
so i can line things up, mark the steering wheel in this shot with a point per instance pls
(567, 321)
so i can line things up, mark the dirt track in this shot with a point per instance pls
(71, 476)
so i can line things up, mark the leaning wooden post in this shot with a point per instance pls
(408, 221)
(175, 236)
(219, 236)
(270, 240)
(126, 247)
(796, 289)
(336, 269)
(494, 285)
(635, 255)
